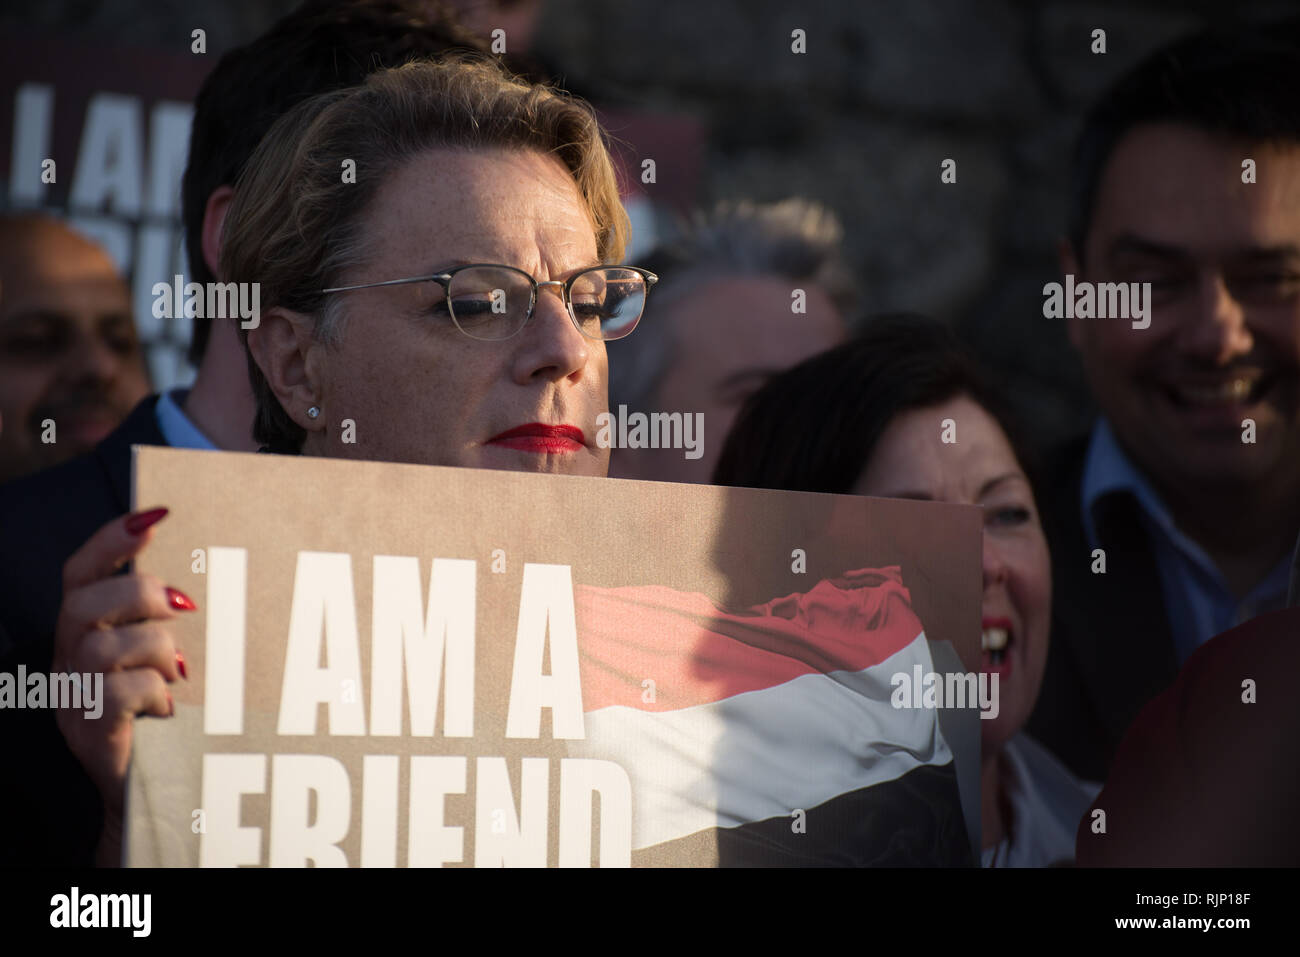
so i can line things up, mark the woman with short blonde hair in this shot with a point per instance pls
(296, 222)
(436, 258)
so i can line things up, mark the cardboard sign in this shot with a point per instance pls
(401, 665)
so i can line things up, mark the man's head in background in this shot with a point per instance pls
(746, 292)
(322, 45)
(1187, 176)
(71, 367)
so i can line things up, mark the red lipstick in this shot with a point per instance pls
(541, 439)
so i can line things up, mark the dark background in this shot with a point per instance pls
(862, 121)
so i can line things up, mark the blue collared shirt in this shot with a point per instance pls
(1198, 601)
(176, 426)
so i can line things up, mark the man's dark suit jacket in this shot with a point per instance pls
(50, 809)
(1112, 649)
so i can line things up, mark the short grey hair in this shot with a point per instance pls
(794, 239)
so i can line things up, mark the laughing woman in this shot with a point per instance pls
(882, 399)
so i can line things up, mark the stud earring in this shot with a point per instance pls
(313, 412)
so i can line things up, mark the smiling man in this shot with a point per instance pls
(1174, 520)
(71, 367)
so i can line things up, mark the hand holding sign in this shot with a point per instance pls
(115, 625)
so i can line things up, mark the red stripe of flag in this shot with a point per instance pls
(697, 653)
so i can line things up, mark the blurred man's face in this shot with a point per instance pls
(730, 336)
(68, 348)
(1223, 260)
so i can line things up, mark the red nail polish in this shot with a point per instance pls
(180, 601)
(180, 666)
(171, 706)
(137, 523)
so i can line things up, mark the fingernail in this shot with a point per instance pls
(180, 601)
(137, 523)
(180, 666)
(171, 706)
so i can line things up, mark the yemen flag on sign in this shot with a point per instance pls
(766, 736)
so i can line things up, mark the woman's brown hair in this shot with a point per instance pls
(295, 223)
